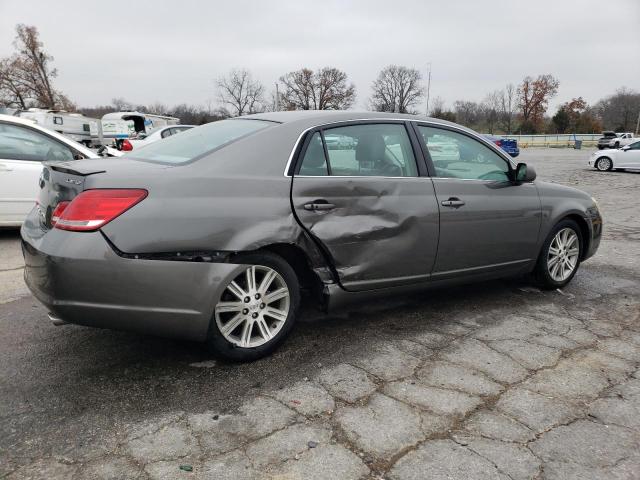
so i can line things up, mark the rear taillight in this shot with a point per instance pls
(126, 146)
(55, 216)
(498, 143)
(93, 209)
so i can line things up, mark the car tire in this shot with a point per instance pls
(546, 275)
(604, 164)
(616, 145)
(265, 332)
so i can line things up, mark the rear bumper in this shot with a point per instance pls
(81, 280)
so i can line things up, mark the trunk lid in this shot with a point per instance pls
(63, 181)
(58, 183)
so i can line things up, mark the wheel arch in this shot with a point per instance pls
(301, 262)
(585, 232)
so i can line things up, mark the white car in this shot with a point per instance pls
(625, 158)
(23, 147)
(158, 134)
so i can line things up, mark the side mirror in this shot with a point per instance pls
(525, 173)
(625, 148)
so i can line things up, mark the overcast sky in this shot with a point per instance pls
(171, 51)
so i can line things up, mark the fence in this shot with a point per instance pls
(556, 140)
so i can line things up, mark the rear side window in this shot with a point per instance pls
(197, 142)
(381, 150)
(24, 143)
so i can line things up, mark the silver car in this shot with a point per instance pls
(219, 233)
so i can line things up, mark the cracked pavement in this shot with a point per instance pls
(496, 380)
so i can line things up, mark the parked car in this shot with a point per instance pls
(625, 158)
(509, 145)
(622, 139)
(217, 234)
(605, 140)
(158, 134)
(24, 146)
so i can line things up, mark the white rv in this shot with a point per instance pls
(142, 122)
(72, 125)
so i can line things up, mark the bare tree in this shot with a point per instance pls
(620, 111)
(490, 111)
(26, 77)
(533, 98)
(240, 92)
(325, 89)
(507, 107)
(14, 92)
(121, 105)
(468, 113)
(397, 89)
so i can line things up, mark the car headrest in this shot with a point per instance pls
(371, 148)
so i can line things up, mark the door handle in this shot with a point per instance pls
(452, 202)
(319, 205)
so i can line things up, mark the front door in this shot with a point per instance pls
(358, 192)
(486, 221)
(628, 158)
(22, 151)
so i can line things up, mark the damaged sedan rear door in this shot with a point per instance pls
(361, 190)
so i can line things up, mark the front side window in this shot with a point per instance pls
(381, 150)
(634, 146)
(197, 142)
(24, 143)
(455, 155)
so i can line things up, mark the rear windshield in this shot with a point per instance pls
(197, 142)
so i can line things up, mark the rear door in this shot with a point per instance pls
(22, 151)
(486, 222)
(365, 197)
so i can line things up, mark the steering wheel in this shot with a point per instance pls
(488, 175)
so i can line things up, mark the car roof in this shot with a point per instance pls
(328, 116)
(14, 119)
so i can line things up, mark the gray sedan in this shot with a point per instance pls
(219, 233)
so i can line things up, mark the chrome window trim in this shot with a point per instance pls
(322, 125)
(472, 134)
(352, 176)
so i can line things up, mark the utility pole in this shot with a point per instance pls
(428, 87)
(277, 98)
(638, 124)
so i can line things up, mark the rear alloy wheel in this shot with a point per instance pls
(256, 310)
(604, 164)
(560, 256)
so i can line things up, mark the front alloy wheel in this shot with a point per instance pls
(562, 258)
(604, 164)
(256, 309)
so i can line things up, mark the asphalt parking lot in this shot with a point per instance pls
(496, 380)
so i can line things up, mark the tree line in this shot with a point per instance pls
(27, 77)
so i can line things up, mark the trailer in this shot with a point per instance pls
(72, 125)
(142, 122)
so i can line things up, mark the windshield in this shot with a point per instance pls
(197, 142)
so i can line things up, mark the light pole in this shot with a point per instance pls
(428, 87)
(277, 99)
(638, 124)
